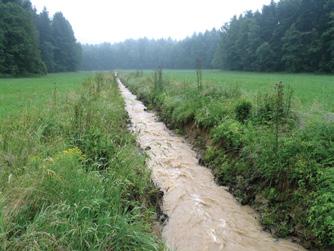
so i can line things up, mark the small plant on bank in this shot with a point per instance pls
(158, 81)
(99, 79)
(199, 74)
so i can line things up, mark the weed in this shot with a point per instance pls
(199, 74)
(158, 81)
(243, 111)
(228, 134)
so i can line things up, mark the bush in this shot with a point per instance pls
(275, 107)
(319, 138)
(228, 134)
(243, 111)
(321, 213)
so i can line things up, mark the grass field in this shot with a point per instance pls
(17, 94)
(312, 92)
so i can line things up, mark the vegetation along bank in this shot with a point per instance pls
(257, 147)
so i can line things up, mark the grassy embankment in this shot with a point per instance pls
(71, 175)
(255, 144)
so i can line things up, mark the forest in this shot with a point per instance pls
(32, 43)
(289, 35)
(149, 54)
(285, 36)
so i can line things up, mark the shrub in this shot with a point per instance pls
(243, 111)
(275, 106)
(321, 213)
(228, 134)
(319, 138)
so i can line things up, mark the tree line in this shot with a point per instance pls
(32, 43)
(149, 53)
(288, 35)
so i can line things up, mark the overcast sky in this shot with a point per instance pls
(116, 20)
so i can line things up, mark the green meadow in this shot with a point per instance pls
(17, 94)
(312, 92)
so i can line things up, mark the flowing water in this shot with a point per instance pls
(201, 215)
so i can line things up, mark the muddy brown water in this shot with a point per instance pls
(201, 215)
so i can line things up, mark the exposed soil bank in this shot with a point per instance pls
(201, 214)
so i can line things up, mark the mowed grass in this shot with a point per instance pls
(17, 94)
(312, 92)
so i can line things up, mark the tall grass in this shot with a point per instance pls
(72, 177)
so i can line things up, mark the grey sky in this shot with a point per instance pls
(113, 21)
